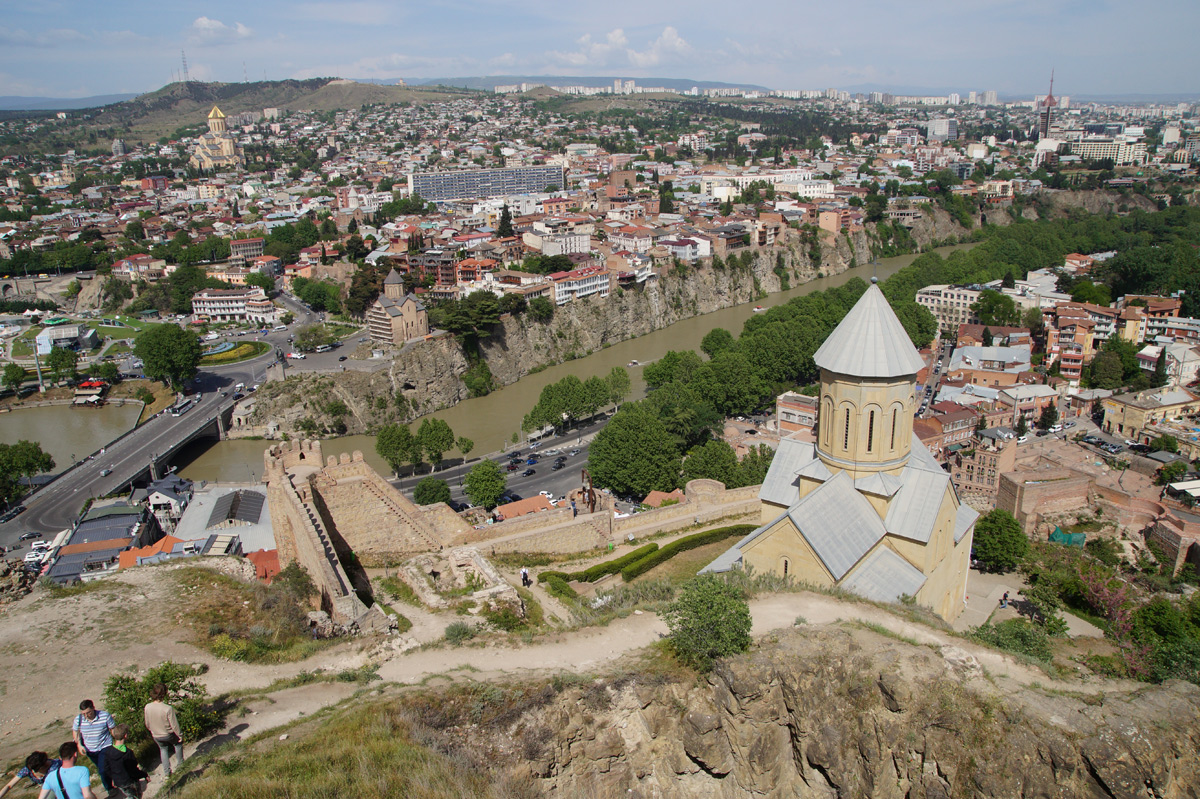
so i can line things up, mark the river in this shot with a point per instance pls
(490, 421)
(68, 433)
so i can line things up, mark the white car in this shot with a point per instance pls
(549, 496)
(34, 557)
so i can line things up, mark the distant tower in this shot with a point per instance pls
(1046, 111)
(216, 120)
(118, 147)
(183, 56)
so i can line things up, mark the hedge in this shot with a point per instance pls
(557, 586)
(672, 549)
(594, 573)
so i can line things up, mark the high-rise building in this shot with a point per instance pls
(954, 98)
(118, 147)
(943, 129)
(484, 183)
(1045, 111)
(990, 98)
(972, 97)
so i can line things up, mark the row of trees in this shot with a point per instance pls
(564, 403)
(398, 445)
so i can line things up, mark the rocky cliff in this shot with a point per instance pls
(838, 712)
(429, 376)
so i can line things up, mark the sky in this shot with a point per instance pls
(74, 49)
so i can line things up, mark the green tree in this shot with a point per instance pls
(504, 229)
(135, 231)
(987, 337)
(396, 444)
(755, 464)
(169, 354)
(716, 341)
(485, 483)
(634, 454)
(14, 376)
(1049, 417)
(1171, 473)
(431, 491)
(1022, 425)
(261, 281)
(464, 445)
(106, 370)
(436, 438)
(61, 363)
(994, 308)
(309, 337)
(999, 543)
(618, 384)
(25, 459)
(1160, 370)
(1106, 371)
(709, 620)
(541, 309)
(126, 696)
(1165, 443)
(713, 460)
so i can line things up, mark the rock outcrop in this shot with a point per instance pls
(835, 712)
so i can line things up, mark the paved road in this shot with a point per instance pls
(55, 507)
(544, 479)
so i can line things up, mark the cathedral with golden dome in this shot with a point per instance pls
(865, 507)
(217, 149)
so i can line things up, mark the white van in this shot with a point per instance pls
(277, 328)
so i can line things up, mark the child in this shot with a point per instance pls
(122, 764)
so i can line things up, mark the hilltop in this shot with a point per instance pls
(184, 105)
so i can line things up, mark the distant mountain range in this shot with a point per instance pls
(489, 82)
(60, 103)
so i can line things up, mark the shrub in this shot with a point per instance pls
(1105, 550)
(504, 618)
(613, 566)
(1017, 636)
(126, 696)
(645, 564)
(999, 543)
(556, 585)
(459, 632)
(709, 620)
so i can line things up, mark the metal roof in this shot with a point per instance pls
(880, 483)
(914, 511)
(884, 576)
(779, 486)
(963, 520)
(838, 523)
(242, 506)
(869, 342)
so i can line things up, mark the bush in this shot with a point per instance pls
(556, 585)
(126, 696)
(430, 491)
(999, 542)
(1105, 550)
(672, 549)
(459, 632)
(709, 620)
(504, 618)
(1017, 636)
(613, 566)
(399, 590)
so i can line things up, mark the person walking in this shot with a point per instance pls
(92, 733)
(123, 767)
(1004, 600)
(68, 781)
(36, 767)
(524, 577)
(163, 726)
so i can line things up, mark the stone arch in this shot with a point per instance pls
(872, 428)
(784, 566)
(895, 421)
(847, 427)
(825, 431)
(8, 289)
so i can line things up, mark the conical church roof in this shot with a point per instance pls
(393, 277)
(216, 113)
(869, 342)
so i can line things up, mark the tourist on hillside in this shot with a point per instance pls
(68, 781)
(123, 768)
(164, 728)
(36, 767)
(92, 733)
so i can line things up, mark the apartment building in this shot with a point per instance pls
(482, 183)
(975, 469)
(1182, 361)
(234, 305)
(950, 305)
(795, 412)
(1130, 414)
(243, 250)
(1026, 400)
(580, 283)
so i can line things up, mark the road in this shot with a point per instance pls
(544, 479)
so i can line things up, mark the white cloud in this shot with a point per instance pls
(615, 50)
(213, 31)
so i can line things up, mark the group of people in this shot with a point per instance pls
(96, 733)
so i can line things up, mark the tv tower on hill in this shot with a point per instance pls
(183, 55)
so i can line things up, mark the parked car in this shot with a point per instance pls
(512, 466)
(557, 465)
(531, 461)
(341, 357)
(534, 444)
(528, 472)
(30, 536)
(573, 452)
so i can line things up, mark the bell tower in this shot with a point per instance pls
(868, 390)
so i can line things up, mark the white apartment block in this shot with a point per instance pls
(950, 305)
(580, 283)
(230, 305)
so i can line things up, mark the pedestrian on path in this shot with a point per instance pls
(525, 581)
(163, 726)
(37, 766)
(123, 768)
(68, 781)
(1004, 600)
(92, 731)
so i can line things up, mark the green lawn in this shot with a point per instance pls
(685, 565)
(118, 348)
(22, 348)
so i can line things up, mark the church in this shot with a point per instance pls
(396, 317)
(866, 508)
(217, 149)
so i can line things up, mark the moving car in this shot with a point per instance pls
(30, 536)
(529, 473)
(341, 357)
(531, 461)
(557, 465)
(512, 466)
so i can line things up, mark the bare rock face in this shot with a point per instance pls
(15, 581)
(829, 713)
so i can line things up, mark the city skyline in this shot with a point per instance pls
(72, 49)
